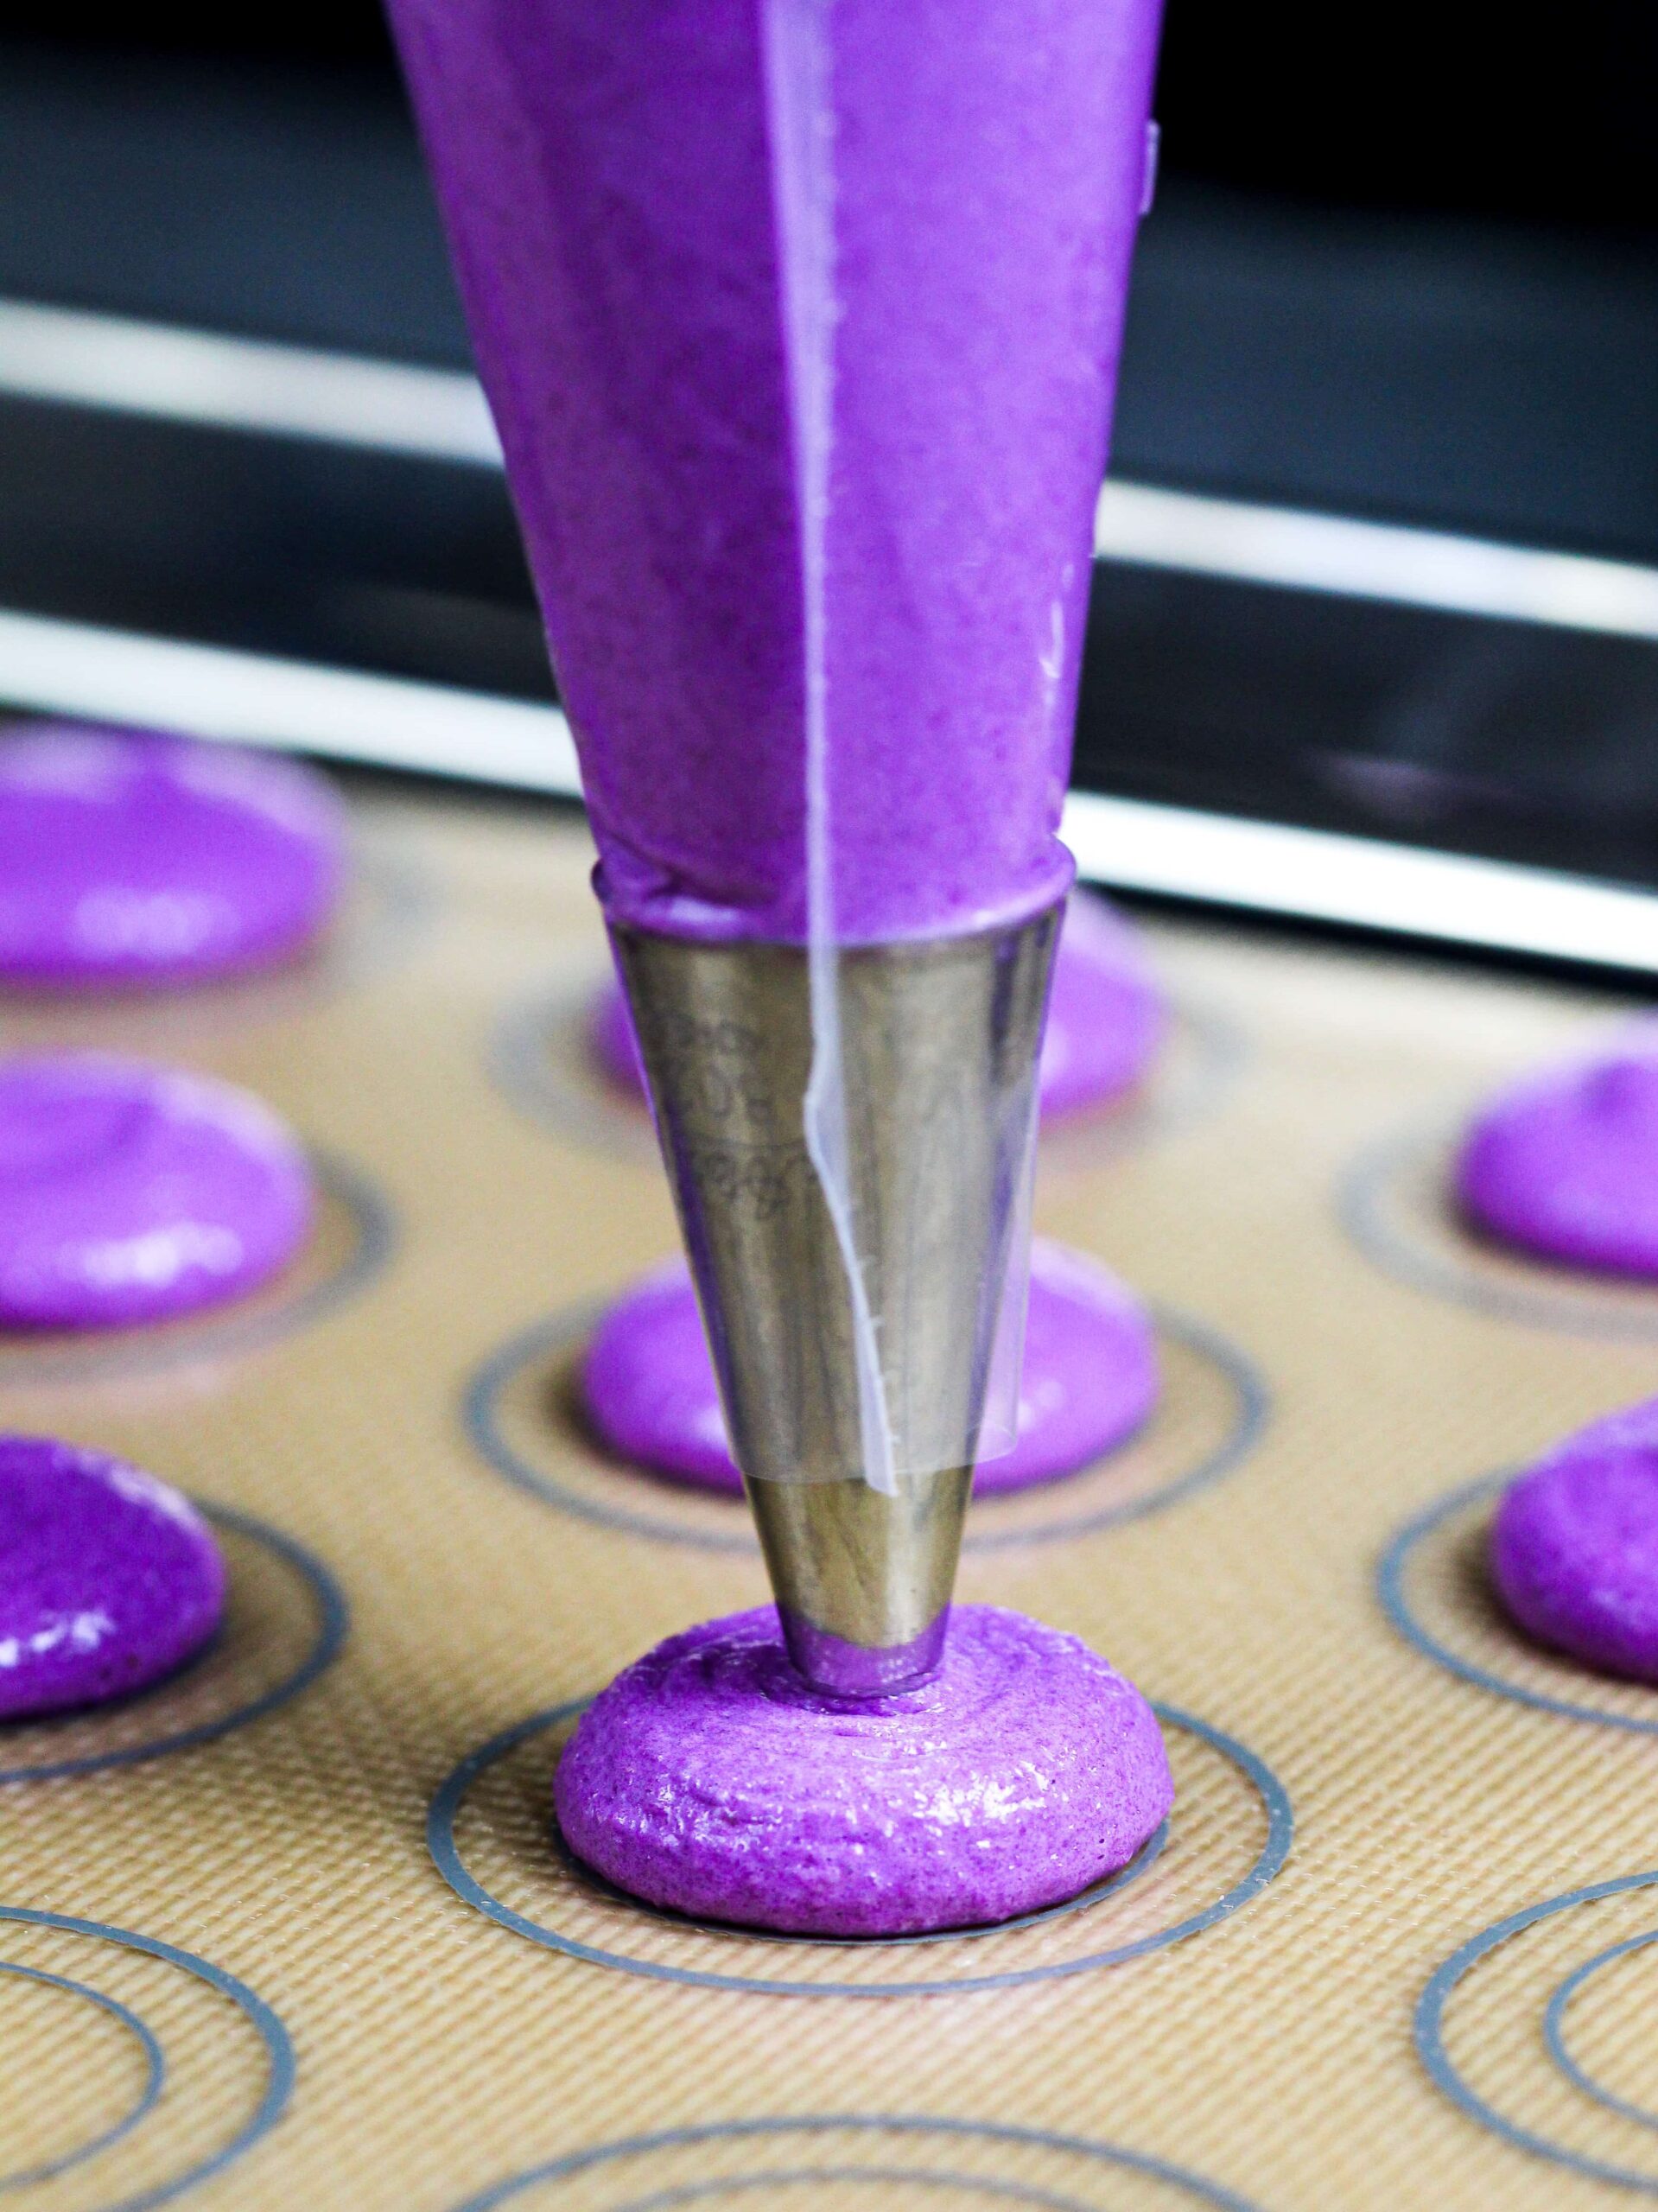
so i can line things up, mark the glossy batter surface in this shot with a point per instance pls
(129, 859)
(1574, 1547)
(108, 1578)
(1566, 1163)
(1106, 1016)
(710, 1779)
(130, 1192)
(1090, 1380)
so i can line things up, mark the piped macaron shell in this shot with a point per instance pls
(1089, 1379)
(613, 1039)
(130, 1192)
(109, 1579)
(1107, 1015)
(1107, 1012)
(1565, 1163)
(131, 860)
(1574, 1546)
(647, 1387)
(710, 1779)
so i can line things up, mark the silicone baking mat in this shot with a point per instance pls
(292, 1931)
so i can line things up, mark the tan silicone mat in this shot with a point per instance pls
(292, 1932)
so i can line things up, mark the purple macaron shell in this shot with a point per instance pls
(130, 1192)
(1090, 1380)
(1574, 1547)
(710, 1779)
(129, 859)
(647, 1384)
(1106, 1014)
(108, 1578)
(613, 1038)
(1564, 1164)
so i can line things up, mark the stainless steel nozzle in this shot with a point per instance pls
(938, 1044)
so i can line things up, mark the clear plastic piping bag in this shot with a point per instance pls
(798, 46)
(799, 89)
(999, 1429)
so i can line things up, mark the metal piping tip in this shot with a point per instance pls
(939, 1043)
(863, 1580)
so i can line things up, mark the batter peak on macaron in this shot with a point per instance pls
(710, 1778)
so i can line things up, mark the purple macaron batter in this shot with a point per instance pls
(1106, 1014)
(1089, 1379)
(129, 859)
(108, 1578)
(643, 259)
(711, 1779)
(130, 1192)
(1574, 1547)
(1565, 1163)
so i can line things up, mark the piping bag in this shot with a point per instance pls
(799, 320)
